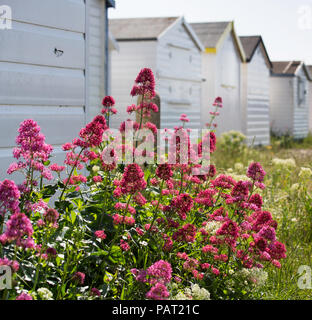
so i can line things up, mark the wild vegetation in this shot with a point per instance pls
(97, 228)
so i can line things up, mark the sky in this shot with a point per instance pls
(285, 25)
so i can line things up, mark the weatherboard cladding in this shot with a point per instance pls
(256, 96)
(285, 100)
(174, 56)
(54, 58)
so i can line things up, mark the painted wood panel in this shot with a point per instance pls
(281, 104)
(179, 77)
(32, 44)
(227, 85)
(58, 124)
(38, 85)
(60, 14)
(126, 64)
(258, 100)
(95, 56)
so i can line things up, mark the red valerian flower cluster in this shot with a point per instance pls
(197, 227)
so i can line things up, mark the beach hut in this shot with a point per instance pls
(221, 65)
(255, 91)
(289, 98)
(172, 50)
(53, 68)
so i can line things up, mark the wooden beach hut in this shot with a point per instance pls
(53, 69)
(168, 46)
(221, 69)
(289, 98)
(255, 91)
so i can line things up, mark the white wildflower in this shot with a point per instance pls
(305, 173)
(238, 167)
(286, 164)
(45, 294)
(212, 226)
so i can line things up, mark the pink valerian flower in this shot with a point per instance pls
(239, 192)
(24, 296)
(210, 140)
(124, 245)
(158, 292)
(256, 172)
(184, 118)
(92, 134)
(182, 255)
(17, 228)
(140, 275)
(31, 143)
(132, 179)
(9, 197)
(95, 292)
(185, 234)
(145, 84)
(210, 248)
(267, 232)
(51, 252)
(79, 277)
(100, 234)
(50, 218)
(139, 199)
(124, 207)
(255, 202)
(205, 197)
(277, 250)
(67, 146)
(223, 182)
(10, 263)
(127, 125)
(108, 103)
(16, 167)
(160, 271)
(75, 180)
(131, 108)
(190, 264)
(183, 203)
(152, 127)
(97, 179)
(229, 228)
(164, 171)
(119, 219)
(55, 167)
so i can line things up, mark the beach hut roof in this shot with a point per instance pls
(250, 45)
(212, 35)
(140, 29)
(290, 68)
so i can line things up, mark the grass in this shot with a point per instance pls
(292, 209)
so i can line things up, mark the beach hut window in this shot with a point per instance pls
(301, 91)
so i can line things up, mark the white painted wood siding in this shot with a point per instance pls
(46, 70)
(258, 101)
(281, 104)
(301, 111)
(95, 57)
(126, 64)
(179, 77)
(228, 86)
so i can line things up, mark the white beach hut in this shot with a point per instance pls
(53, 68)
(172, 50)
(255, 91)
(221, 65)
(289, 98)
